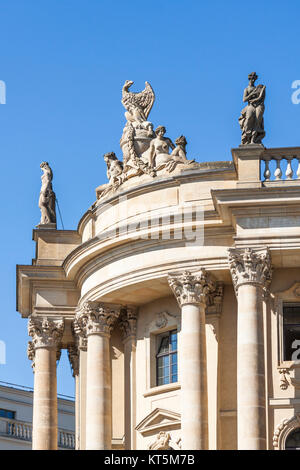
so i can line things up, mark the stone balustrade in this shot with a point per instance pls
(258, 166)
(23, 431)
(287, 165)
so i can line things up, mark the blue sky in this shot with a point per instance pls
(64, 63)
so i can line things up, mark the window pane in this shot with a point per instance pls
(291, 332)
(167, 359)
(293, 440)
(7, 414)
(174, 341)
(164, 345)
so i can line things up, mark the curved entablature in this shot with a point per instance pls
(155, 221)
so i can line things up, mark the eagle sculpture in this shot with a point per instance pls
(137, 105)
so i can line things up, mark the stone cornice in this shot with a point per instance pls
(249, 266)
(192, 288)
(95, 318)
(45, 333)
(127, 323)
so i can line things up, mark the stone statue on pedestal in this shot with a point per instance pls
(144, 152)
(47, 196)
(252, 116)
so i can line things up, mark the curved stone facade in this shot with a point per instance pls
(207, 253)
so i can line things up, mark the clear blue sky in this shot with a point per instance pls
(64, 63)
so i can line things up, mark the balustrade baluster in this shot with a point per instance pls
(267, 172)
(289, 170)
(278, 171)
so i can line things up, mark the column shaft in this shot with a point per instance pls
(251, 369)
(194, 410)
(44, 433)
(98, 394)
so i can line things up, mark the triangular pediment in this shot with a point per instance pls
(159, 420)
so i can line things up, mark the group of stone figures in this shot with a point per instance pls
(148, 152)
(144, 151)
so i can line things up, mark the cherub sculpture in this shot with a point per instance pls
(114, 169)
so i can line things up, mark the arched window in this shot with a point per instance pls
(293, 440)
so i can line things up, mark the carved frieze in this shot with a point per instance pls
(284, 383)
(164, 441)
(95, 318)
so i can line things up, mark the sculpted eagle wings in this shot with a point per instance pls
(142, 101)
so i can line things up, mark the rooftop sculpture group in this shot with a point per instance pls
(150, 152)
(144, 151)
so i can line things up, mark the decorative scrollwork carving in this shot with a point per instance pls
(249, 266)
(95, 318)
(192, 288)
(45, 333)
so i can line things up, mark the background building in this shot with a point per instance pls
(16, 419)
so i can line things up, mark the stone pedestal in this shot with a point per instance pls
(96, 321)
(191, 291)
(251, 273)
(46, 336)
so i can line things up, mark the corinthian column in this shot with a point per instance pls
(191, 291)
(46, 336)
(127, 325)
(251, 274)
(96, 321)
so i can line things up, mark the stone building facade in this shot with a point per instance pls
(178, 298)
(16, 419)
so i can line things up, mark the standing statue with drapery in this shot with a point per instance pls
(252, 116)
(47, 196)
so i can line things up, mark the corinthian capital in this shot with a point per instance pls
(192, 288)
(45, 333)
(128, 320)
(250, 266)
(95, 318)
